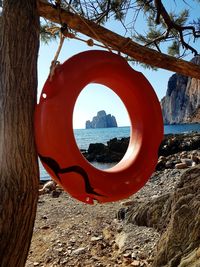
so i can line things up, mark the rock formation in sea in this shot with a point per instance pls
(182, 101)
(102, 120)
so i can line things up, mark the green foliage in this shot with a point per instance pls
(153, 34)
(98, 11)
(166, 37)
(174, 48)
(45, 35)
(182, 18)
(147, 6)
(156, 35)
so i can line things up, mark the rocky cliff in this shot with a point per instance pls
(102, 120)
(182, 101)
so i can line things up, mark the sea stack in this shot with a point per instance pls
(102, 120)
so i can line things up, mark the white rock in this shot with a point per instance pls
(121, 239)
(78, 251)
(135, 263)
(96, 238)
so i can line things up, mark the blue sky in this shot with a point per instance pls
(87, 105)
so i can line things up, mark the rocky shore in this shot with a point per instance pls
(159, 226)
(172, 144)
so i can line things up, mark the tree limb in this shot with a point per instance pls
(119, 43)
(170, 24)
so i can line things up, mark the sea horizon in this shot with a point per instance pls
(172, 124)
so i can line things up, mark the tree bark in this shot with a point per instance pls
(19, 174)
(117, 42)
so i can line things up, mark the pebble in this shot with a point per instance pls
(115, 246)
(45, 227)
(107, 234)
(135, 263)
(127, 255)
(78, 251)
(72, 240)
(188, 162)
(44, 217)
(127, 203)
(59, 249)
(120, 239)
(181, 166)
(133, 255)
(169, 164)
(96, 238)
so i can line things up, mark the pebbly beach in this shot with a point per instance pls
(157, 226)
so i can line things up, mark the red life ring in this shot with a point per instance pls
(55, 140)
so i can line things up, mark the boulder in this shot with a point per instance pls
(174, 143)
(176, 217)
(113, 152)
(118, 145)
(182, 234)
(94, 151)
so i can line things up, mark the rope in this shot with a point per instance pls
(91, 29)
(55, 63)
(89, 42)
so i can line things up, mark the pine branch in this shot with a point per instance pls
(171, 25)
(118, 42)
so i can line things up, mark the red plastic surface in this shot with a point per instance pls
(55, 140)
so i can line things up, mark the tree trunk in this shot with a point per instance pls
(19, 45)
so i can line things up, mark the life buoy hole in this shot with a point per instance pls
(44, 95)
(101, 126)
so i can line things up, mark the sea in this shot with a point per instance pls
(84, 137)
